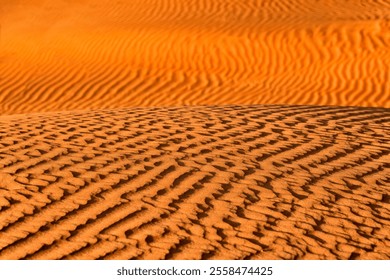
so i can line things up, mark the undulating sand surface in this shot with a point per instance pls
(102, 158)
(91, 54)
(207, 182)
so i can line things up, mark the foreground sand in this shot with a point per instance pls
(221, 182)
(92, 54)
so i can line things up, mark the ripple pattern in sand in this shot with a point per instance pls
(61, 55)
(214, 182)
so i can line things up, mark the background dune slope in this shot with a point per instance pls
(222, 182)
(85, 54)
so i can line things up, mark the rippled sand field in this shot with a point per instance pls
(284, 152)
(86, 54)
(220, 182)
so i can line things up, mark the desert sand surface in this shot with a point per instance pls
(167, 129)
(198, 182)
(92, 54)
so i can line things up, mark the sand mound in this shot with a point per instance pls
(222, 182)
(87, 54)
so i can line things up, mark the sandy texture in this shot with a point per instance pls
(221, 182)
(91, 54)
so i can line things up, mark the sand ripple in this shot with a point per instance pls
(57, 55)
(217, 182)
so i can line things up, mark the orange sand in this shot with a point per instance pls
(123, 170)
(221, 182)
(86, 54)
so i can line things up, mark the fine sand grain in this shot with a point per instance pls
(207, 182)
(91, 54)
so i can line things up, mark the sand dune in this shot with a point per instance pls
(213, 182)
(123, 170)
(84, 54)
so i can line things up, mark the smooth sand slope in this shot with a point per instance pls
(88, 54)
(217, 182)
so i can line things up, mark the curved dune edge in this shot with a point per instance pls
(208, 182)
(71, 55)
